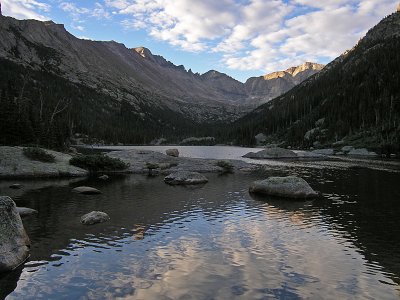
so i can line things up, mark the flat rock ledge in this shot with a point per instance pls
(287, 187)
(14, 242)
(138, 161)
(86, 190)
(185, 178)
(14, 164)
(272, 153)
(94, 217)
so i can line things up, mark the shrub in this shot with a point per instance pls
(98, 162)
(152, 166)
(225, 165)
(38, 154)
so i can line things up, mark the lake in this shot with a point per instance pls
(214, 241)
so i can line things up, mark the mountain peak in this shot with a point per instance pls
(294, 71)
(143, 52)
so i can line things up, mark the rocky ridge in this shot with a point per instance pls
(115, 70)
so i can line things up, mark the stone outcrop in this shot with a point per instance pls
(94, 217)
(139, 160)
(13, 163)
(362, 152)
(185, 178)
(287, 187)
(272, 153)
(14, 242)
(267, 87)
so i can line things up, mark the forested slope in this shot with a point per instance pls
(356, 97)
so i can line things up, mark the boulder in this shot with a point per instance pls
(347, 149)
(362, 152)
(94, 217)
(104, 177)
(16, 186)
(25, 211)
(86, 190)
(172, 152)
(272, 153)
(14, 242)
(324, 151)
(288, 187)
(185, 178)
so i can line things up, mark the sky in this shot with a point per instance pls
(242, 38)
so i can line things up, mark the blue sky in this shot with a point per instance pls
(242, 38)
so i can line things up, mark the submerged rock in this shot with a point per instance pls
(14, 242)
(172, 152)
(185, 177)
(16, 186)
(25, 211)
(288, 187)
(104, 177)
(86, 190)
(94, 217)
(272, 153)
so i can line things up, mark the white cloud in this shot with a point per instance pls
(77, 12)
(256, 34)
(25, 9)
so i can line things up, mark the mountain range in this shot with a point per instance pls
(112, 68)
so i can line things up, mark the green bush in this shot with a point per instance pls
(98, 162)
(38, 154)
(226, 165)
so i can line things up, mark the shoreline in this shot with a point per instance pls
(14, 165)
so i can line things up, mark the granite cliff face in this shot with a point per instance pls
(265, 88)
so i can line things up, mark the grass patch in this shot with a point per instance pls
(98, 162)
(38, 154)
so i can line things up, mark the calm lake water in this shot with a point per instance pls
(214, 241)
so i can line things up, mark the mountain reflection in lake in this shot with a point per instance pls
(213, 241)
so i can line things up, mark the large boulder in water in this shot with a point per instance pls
(288, 187)
(14, 242)
(94, 217)
(272, 153)
(185, 178)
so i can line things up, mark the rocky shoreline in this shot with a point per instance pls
(14, 165)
